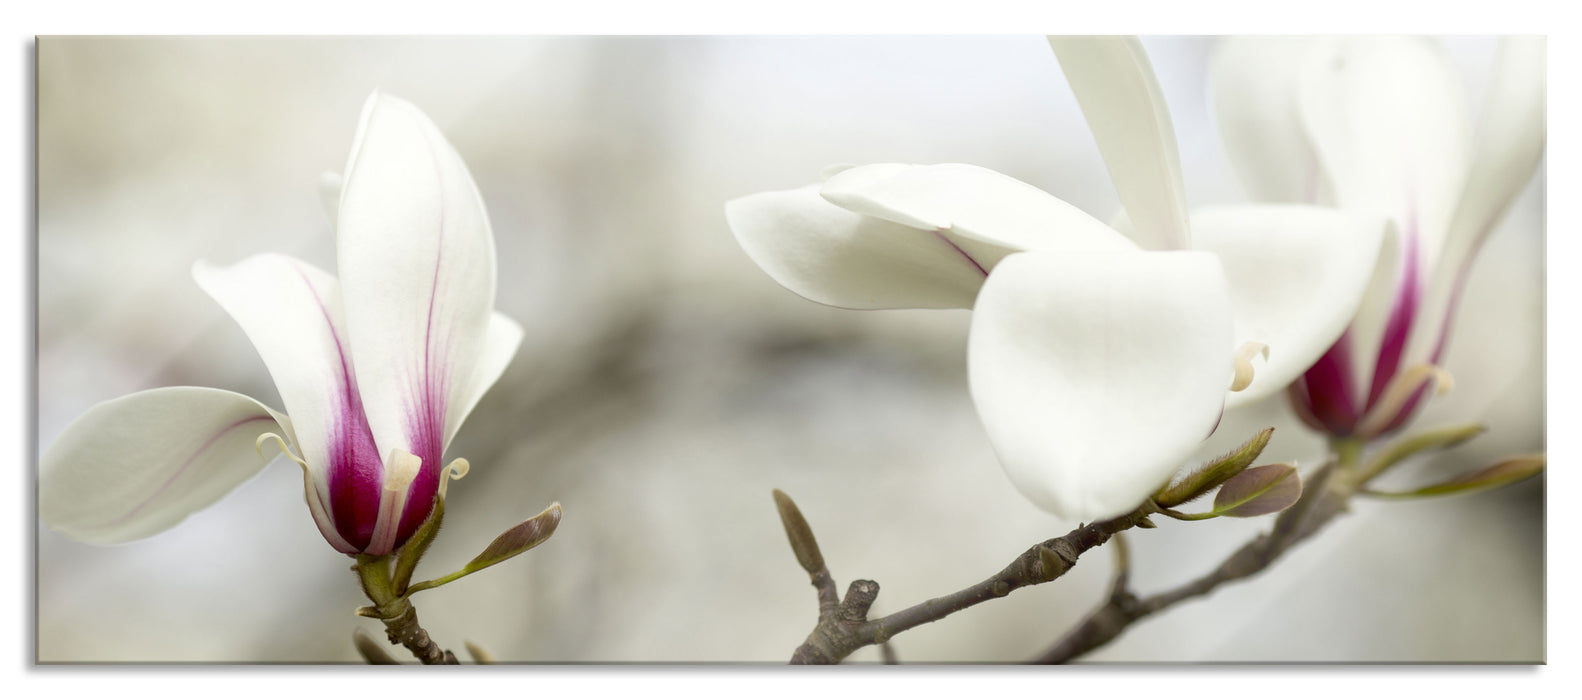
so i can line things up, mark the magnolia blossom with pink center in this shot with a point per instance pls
(1380, 125)
(377, 368)
(1098, 360)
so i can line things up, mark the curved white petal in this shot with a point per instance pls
(1097, 374)
(971, 203)
(1509, 143)
(499, 346)
(330, 192)
(1125, 110)
(1388, 121)
(1366, 336)
(417, 268)
(135, 466)
(1297, 275)
(1510, 137)
(1254, 83)
(833, 256)
(291, 311)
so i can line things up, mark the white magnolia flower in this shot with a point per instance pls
(1098, 362)
(1380, 125)
(377, 369)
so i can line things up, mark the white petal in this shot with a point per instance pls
(1509, 143)
(1366, 335)
(833, 256)
(1098, 374)
(417, 268)
(1510, 137)
(499, 346)
(330, 192)
(1388, 120)
(291, 311)
(137, 465)
(972, 205)
(1120, 98)
(1297, 275)
(1255, 85)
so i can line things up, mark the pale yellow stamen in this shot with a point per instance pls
(400, 471)
(1244, 355)
(1399, 391)
(404, 468)
(284, 449)
(455, 470)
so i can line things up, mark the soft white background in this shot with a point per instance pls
(666, 384)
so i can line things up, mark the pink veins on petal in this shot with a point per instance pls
(353, 467)
(222, 432)
(973, 261)
(1399, 327)
(426, 421)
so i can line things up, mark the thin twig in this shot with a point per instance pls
(843, 626)
(1324, 498)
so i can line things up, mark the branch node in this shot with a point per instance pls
(859, 598)
(1055, 558)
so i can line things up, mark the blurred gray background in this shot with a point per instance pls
(666, 384)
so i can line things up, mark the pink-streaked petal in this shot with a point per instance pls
(292, 313)
(1388, 120)
(1255, 82)
(833, 256)
(417, 267)
(1098, 374)
(1403, 313)
(1302, 405)
(974, 207)
(1326, 391)
(135, 466)
(1120, 98)
(1507, 149)
(1297, 274)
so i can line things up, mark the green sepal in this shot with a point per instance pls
(1507, 471)
(1437, 439)
(416, 546)
(1215, 472)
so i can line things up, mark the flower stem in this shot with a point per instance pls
(397, 612)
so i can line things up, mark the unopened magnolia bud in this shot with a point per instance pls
(1215, 472)
(528, 534)
(799, 533)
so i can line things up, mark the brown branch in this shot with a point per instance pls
(400, 618)
(843, 625)
(1325, 497)
(404, 629)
